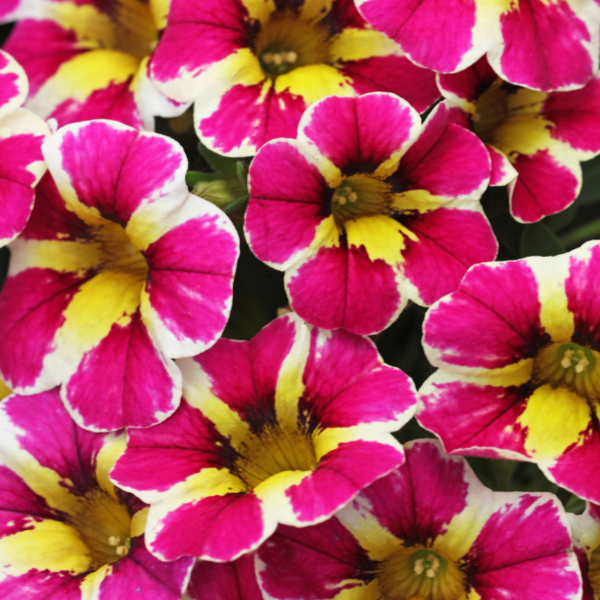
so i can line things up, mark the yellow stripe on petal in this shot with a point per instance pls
(259, 9)
(314, 82)
(114, 446)
(382, 237)
(90, 584)
(48, 545)
(138, 522)
(420, 200)
(92, 28)
(315, 9)
(555, 419)
(272, 493)
(79, 77)
(357, 44)
(160, 12)
(4, 390)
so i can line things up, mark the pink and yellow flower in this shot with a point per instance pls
(118, 271)
(21, 161)
(541, 44)
(535, 139)
(518, 351)
(88, 59)
(368, 208)
(286, 428)
(586, 538)
(253, 66)
(65, 531)
(428, 531)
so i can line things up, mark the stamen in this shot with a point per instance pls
(292, 57)
(121, 550)
(419, 566)
(566, 362)
(267, 57)
(353, 197)
(114, 540)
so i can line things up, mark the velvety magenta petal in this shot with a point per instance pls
(417, 501)
(343, 287)
(225, 581)
(521, 553)
(358, 134)
(287, 202)
(41, 585)
(484, 303)
(227, 526)
(340, 475)
(502, 170)
(191, 276)
(576, 117)
(7, 7)
(32, 301)
(544, 46)
(443, 248)
(140, 386)
(160, 457)
(583, 293)
(442, 151)
(544, 187)
(13, 83)
(41, 47)
(469, 83)
(140, 575)
(114, 168)
(69, 451)
(199, 35)
(341, 373)
(116, 101)
(413, 24)
(394, 74)
(326, 559)
(572, 469)
(247, 116)
(249, 389)
(467, 415)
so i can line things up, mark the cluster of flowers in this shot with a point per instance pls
(144, 455)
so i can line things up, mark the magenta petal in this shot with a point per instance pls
(343, 287)
(140, 386)
(358, 134)
(225, 581)
(502, 171)
(512, 559)
(469, 83)
(41, 585)
(443, 248)
(484, 302)
(340, 475)
(543, 187)
(324, 557)
(227, 526)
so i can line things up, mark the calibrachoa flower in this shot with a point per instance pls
(539, 137)
(21, 161)
(234, 580)
(586, 536)
(65, 531)
(518, 346)
(544, 45)
(253, 67)
(427, 531)
(285, 428)
(89, 60)
(368, 208)
(118, 271)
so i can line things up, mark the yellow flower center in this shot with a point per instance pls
(286, 42)
(117, 252)
(361, 196)
(594, 572)
(135, 31)
(104, 525)
(420, 574)
(274, 451)
(569, 365)
(492, 111)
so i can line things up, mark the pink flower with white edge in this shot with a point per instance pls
(369, 208)
(536, 140)
(427, 531)
(586, 538)
(253, 66)
(544, 45)
(119, 271)
(518, 351)
(21, 161)
(66, 532)
(234, 580)
(286, 428)
(89, 60)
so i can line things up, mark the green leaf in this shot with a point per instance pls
(242, 173)
(563, 219)
(538, 240)
(221, 164)
(193, 178)
(574, 238)
(590, 191)
(575, 505)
